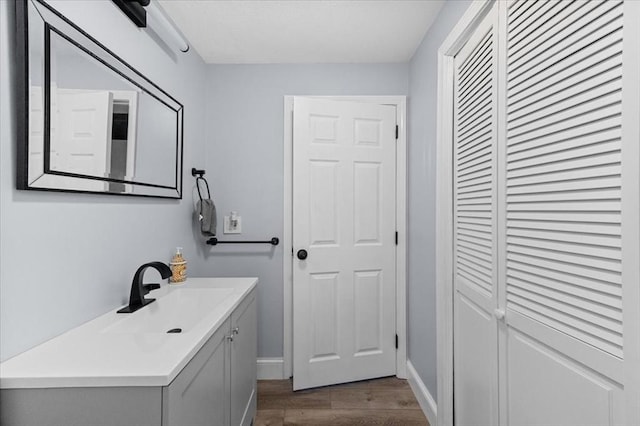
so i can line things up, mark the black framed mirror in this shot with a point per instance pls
(87, 120)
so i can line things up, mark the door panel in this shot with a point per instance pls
(368, 309)
(563, 205)
(344, 217)
(561, 257)
(475, 363)
(475, 292)
(82, 143)
(324, 316)
(542, 377)
(323, 197)
(367, 198)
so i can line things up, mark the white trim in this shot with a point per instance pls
(287, 239)
(630, 208)
(270, 369)
(426, 401)
(500, 294)
(444, 204)
(400, 102)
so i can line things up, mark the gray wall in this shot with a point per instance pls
(245, 162)
(423, 91)
(67, 258)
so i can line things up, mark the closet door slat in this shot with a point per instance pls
(601, 283)
(607, 341)
(581, 228)
(591, 294)
(565, 24)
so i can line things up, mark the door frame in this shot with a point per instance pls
(456, 39)
(400, 102)
(132, 97)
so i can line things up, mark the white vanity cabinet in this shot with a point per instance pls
(216, 387)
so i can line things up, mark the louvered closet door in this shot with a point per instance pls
(564, 344)
(475, 332)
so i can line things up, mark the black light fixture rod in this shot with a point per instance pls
(134, 11)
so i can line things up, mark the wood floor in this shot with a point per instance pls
(388, 401)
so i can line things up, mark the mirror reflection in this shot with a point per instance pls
(95, 124)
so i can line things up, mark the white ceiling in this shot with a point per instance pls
(303, 31)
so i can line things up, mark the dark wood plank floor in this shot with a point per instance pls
(388, 401)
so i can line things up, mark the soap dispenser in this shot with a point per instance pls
(178, 267)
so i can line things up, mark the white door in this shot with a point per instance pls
(36, 133)
(567, 285)
(82, 144)
(475, 254)
(344, 197)
(546, 214)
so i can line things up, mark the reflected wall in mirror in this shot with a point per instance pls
(88, 121)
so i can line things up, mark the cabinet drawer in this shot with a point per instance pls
(80, 406)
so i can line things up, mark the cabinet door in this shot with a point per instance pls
(243, 361)
(199, 394)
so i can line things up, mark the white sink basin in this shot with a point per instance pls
(181, 308)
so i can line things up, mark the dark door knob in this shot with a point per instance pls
(302, 254)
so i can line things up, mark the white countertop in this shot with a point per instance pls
(92, 356)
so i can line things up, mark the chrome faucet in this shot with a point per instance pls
(138, 290)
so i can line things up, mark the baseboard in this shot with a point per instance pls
(426, 401)
(270, 369)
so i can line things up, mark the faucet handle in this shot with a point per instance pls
(146, 288)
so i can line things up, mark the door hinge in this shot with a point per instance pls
(396, 237)
(397, 131)
(396, 341)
